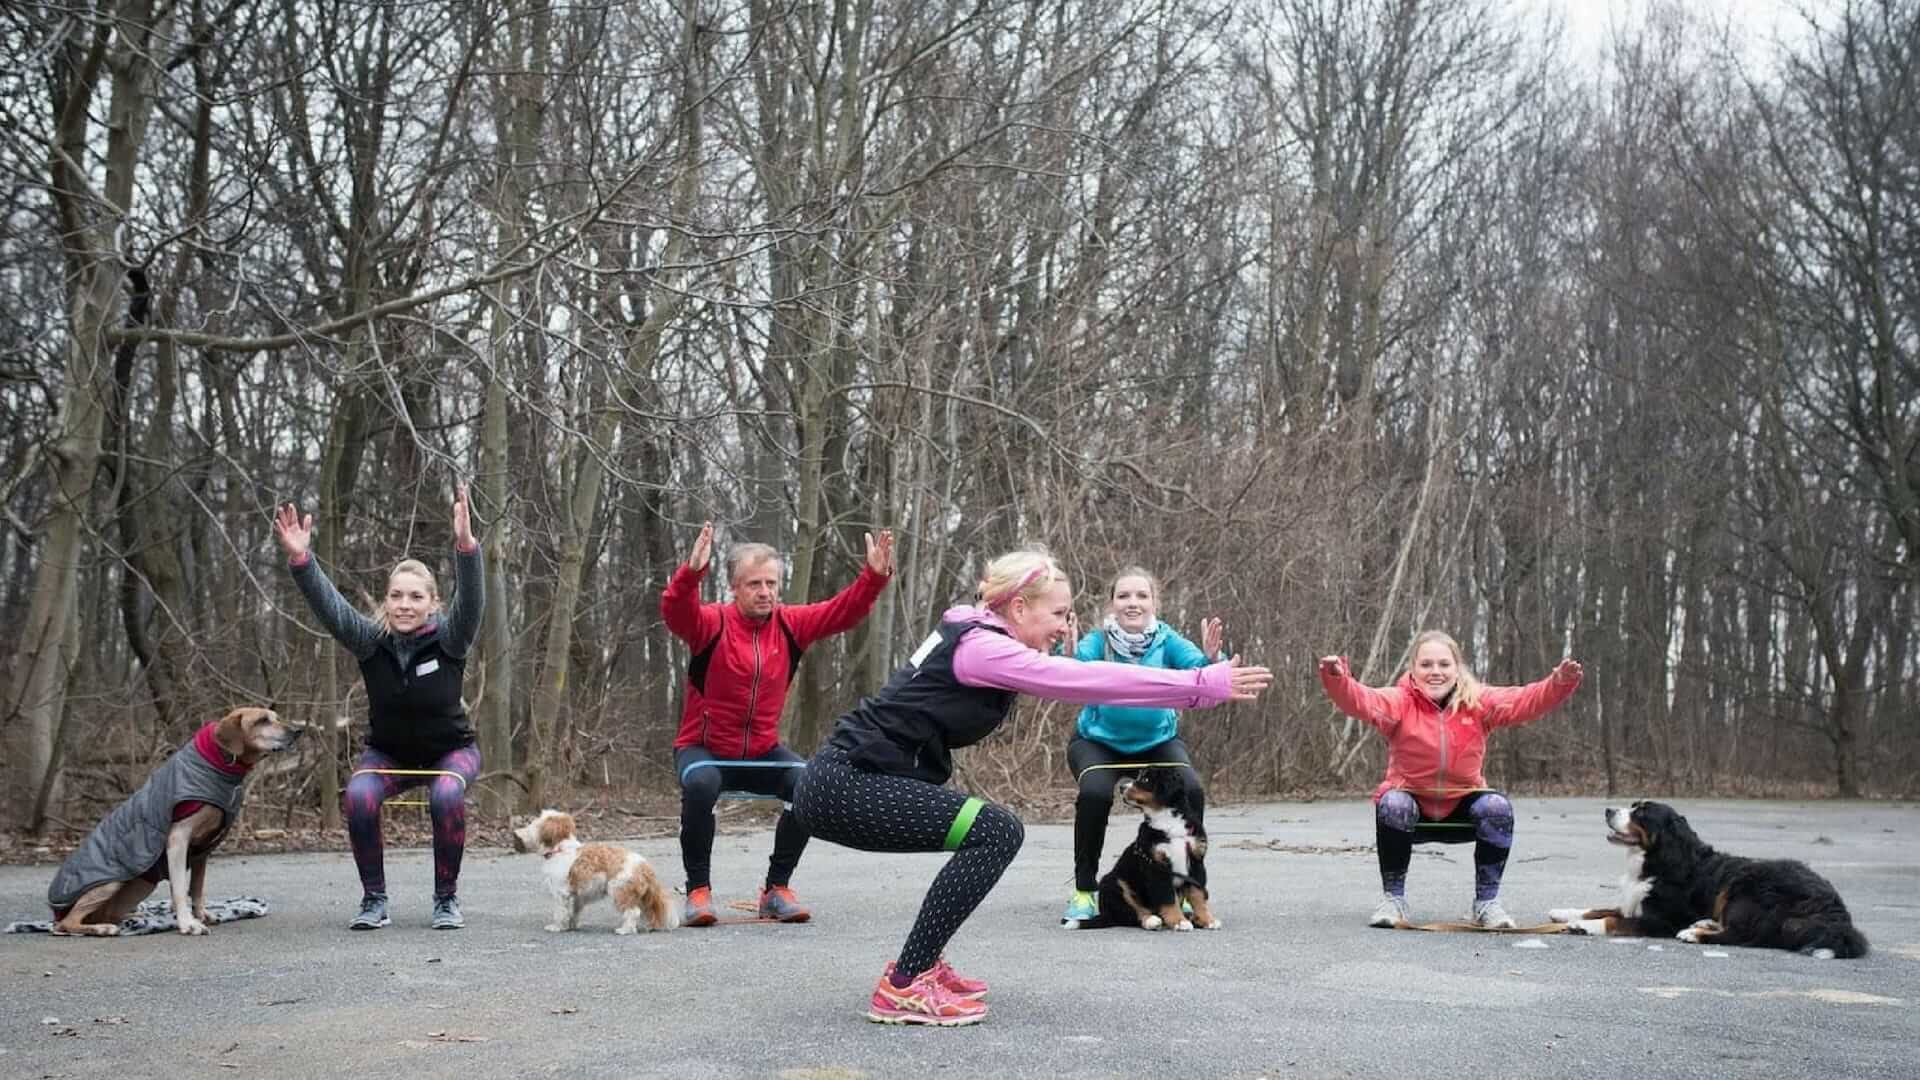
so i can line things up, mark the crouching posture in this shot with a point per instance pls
(1436, 719)
(578, 874)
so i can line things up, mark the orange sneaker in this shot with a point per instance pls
(922, 1001)
(699, 908)
(778, 902)
(957, 984)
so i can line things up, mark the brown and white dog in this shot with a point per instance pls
(578, 874)
(166, 830)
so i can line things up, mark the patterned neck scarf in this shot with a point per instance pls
(1125, 643)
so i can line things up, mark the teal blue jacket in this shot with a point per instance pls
(1126, 728)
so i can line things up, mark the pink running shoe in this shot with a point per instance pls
(923, 1001)
(957, 984)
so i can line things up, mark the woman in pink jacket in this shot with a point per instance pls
(1436, 719)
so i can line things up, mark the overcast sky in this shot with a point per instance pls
(1587, 21)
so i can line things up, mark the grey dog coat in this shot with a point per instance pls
(130, 840)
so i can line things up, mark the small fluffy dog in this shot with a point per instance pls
(1165, 863)
(578, 874)
(1676, 884)
(166, 830)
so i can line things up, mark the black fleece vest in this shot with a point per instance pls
(923, 713)
(415, 713)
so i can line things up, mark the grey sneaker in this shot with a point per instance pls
(1489, 915)
(446, 913)
(373, 913)
(1392, 911)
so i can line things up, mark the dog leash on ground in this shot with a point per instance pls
(1472, 928)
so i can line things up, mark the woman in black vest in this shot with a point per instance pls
(879, 782)
(413, 658)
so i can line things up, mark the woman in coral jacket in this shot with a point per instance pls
(1436, 719)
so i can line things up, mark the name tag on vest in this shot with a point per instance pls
(427, 667)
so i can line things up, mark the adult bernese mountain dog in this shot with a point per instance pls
(1164, 865)
(1676, 884)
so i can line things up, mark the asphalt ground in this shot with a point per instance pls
(1295, 985)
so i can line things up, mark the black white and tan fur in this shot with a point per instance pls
(1165, 863)
(1677, 885)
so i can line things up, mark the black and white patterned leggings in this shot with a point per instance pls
(871, 811)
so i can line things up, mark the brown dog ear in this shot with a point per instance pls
(555, 829)
(231, 733)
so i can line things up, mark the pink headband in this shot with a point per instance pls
(1007, 597)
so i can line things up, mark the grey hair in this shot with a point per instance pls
(740, 555)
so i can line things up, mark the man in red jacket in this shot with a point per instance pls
(744, 657)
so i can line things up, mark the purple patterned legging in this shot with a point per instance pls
(1484, 817)
(446, 804)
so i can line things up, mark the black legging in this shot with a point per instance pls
(700, 789)
(1099, 767)
(871, 811)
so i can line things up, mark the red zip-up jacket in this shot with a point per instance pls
(737, 682)
(1432, 755)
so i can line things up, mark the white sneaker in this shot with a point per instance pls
(1391, 912)
(1489, 915)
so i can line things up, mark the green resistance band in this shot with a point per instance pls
(963, 823)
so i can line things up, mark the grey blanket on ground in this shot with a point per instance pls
(155, 916)
(128, 841)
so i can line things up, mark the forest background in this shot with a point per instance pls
(1345, 317)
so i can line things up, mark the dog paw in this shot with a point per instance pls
(555, 928)
(1183, 925)
(1565, 914)
(1214, 925)
(1584, 927)
(193, 927)
(1691, 935)
(1151, 922)
(624, 929)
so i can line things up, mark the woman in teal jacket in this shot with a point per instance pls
(1112, 743)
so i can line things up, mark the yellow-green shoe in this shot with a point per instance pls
(1084, 907)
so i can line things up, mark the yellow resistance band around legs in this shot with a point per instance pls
(963, 823)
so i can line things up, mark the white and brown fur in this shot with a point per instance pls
(578, 874)
(1677, 885)
(246, 735)
(1165, 863)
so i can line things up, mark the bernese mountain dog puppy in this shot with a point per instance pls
(1676, 884)
(1164, 865)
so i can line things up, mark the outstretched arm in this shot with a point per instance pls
(989, 659)
(349, 627)
(470, 573)
(686, 617)
(1508, 706)
(843, 611)
(1363, 703)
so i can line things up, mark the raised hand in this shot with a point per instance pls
(702, 549)
(1212, 636)
(1249, 681)
(880, 552)
(294, 532)
(1334, 667)
(462, 525)
(1568, 671)
(1070, 636)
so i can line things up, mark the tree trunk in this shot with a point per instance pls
(91, 227)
